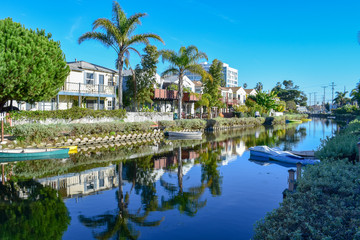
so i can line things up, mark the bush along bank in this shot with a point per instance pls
(54, 134)
(282, 119)
(326, 203)
(77, 134)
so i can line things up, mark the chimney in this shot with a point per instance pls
(75, 60)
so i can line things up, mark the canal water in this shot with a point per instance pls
(214, 192)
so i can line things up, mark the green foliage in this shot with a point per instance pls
(189, 124)
(340, 98)
(39, 132)
(186, 59)
(228, 122)
(347, 109)
(290, 92)
(343, 145)
(33, 66)
(291, 106)
(326, 205)
(212, 82)
(140, 86)
(42, 215)
(259, 87)
(355, 93)
(118, 34)
(72, 113)
(241, 108)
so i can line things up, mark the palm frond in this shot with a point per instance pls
(133, 49)
(101, 37)
(131, 22)
(119, 16)
(143, 38)
(167, 55)
(170, 71)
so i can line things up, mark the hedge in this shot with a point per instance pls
(38, 132)
(72, 113)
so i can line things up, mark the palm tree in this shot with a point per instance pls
(185, 60)
(245, 85)
(259, 87)
(340, 98)
(355, 93)
(118, 34)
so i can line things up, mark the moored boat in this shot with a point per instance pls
(185, 135)
(10, 155)
(293, 121)
(277, 154)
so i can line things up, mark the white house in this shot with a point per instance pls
(88, 85)
(174, 79)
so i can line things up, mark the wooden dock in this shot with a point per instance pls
(306, 154)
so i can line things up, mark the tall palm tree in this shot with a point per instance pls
(340, 98)
(355, 93)
(185, 60)
(118, 34)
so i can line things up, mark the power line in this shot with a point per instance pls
(324, 87)
(332, 85)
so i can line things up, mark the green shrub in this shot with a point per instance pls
(347, 109)
(343, 145)
(73, 113)
(326, 205)
(38, 132)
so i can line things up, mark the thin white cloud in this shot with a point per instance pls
(73, 28)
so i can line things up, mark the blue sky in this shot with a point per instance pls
(312, 43)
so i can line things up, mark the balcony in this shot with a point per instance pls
(190, 97)
(71, 88)
(165, 94)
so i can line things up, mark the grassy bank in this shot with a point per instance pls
(326, 203)
(36, 132)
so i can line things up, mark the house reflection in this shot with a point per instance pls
(83, 183)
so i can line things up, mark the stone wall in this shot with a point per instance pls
(148, 116)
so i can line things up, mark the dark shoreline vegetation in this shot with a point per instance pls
(326, 203)
(52, 133)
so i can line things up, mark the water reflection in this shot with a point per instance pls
(153, 179)
(29, 210)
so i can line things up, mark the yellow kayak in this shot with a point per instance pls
(72, 149)
(306, 120)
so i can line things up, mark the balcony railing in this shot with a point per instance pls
(165, 94)
(88, 88)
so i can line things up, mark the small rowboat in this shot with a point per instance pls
(276, 154)
(185, 135)
(293, 121)
(11, 155)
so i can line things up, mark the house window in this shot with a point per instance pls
(111, 81)
(109, 104)
(89, 79)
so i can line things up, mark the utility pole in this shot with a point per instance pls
(315, 99)
(324, 87)
(310, 99)
(332, 85)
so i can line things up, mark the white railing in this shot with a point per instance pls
(88, 88)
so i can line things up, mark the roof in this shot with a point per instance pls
(248, 91)
(82, 65)
(197, 83)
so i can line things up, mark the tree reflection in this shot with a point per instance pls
(30, 211)
(187, 202)
(209, 158)
(121, 223)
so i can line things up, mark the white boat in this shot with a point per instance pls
(276, 154)
(185, 135)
